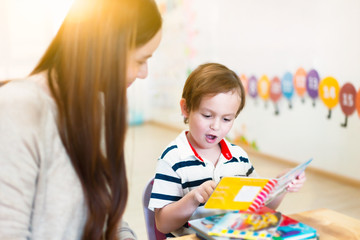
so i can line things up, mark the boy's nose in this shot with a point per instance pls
(215, 124)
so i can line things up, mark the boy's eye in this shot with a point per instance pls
(227, 119)
(206, 115)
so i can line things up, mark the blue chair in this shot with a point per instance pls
(152, 232)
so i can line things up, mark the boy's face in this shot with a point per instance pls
(212, 120)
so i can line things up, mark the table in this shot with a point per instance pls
(329, 224)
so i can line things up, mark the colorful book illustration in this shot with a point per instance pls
(246, 225)
(265, 224)
(291, 229)
(250, 194)
(202, 227)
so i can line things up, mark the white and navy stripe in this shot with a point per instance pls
(180, 169)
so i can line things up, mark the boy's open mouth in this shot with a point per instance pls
(211, 137)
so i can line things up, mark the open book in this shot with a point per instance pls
(265, 224)
(247, 225)
(255, 226)
(250, 194)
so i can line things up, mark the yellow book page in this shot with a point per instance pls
(235, 193)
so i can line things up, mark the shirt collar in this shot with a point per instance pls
(191, 151)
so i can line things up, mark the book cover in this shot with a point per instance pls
(247, 225)
(241, 193)
(202, 227)
(250, 194)
(291, 229)
(265, 224)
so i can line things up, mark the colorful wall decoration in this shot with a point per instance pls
(312, 84)
(275, 92)
(268, 42)
(301, 82)
(358, 102)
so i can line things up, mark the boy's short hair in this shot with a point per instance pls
(211, 79)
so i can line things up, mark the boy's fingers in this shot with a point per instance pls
(213, 184)
(210, 188)
(199, 198)
(207, 189)
(301, 176)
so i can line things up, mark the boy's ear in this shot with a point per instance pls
(183, 107)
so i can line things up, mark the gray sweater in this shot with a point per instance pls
(40, 193)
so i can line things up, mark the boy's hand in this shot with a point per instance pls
(202, 193)
(297, 183)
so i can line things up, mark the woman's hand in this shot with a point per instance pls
(202, 193)
(297, 183)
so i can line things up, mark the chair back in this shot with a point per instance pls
(153, 233)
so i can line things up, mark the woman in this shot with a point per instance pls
(62, 173)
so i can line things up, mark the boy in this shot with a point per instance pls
(191, 165)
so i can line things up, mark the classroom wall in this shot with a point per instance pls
(254, 38)
(26, 28)
(270, 38)
(189, 38)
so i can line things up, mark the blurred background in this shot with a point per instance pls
(299, 60)
(263, 41)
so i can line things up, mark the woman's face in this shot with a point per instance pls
(138, 66)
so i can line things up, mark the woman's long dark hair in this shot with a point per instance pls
(88, 56)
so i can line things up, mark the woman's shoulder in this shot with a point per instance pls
(24, 96)
(26, 90)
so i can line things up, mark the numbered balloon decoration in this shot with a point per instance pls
(275, 92)
(312, 84)
(252, 87)
(287, 87)
(358, 102)
(264, 88)
(329, 93)
(347, 101)
(300, 83)
(244, 81)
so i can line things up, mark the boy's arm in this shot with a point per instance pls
(173, 216)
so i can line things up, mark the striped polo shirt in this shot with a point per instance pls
(180, 169)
